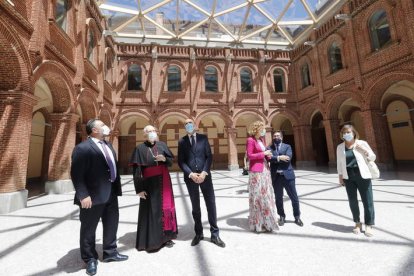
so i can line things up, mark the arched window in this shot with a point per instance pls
(134, 77)
(61, 19)
(108, 67)
(246, 80)
(91, 46)
(279, 80)
(335, 59)
(305, 75)
(379, 30)
(211, 79)
(174, 78)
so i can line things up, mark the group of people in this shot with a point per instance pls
(97, 184)
(270, 172)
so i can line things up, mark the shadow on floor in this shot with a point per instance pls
(242, 223)
(334, 227)
(70, 263)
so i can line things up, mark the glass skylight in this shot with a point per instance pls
(271, 24)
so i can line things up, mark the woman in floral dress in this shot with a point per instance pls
(262, 208)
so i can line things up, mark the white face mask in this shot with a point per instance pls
(106, 130)
(348, 137)
(152, 136)
(263, 132)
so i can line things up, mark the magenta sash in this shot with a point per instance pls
(167, 196)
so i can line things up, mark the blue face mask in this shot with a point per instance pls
(348, 137)
(189, 127)
(152, 136)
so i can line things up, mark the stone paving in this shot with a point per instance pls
(43, 238)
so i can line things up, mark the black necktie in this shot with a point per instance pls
(193, 143)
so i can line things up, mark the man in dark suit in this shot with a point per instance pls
(283, 176)
(194, 159)
(97, 183)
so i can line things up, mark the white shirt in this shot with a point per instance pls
(195, 137)
(100, 146)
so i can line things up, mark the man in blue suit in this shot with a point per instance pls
(97, 184)
(283, 176)
(194, 159)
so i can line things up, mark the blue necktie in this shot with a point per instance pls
(109, 161)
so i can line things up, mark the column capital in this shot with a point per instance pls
(12, 97)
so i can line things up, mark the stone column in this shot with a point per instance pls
(378, 137)
(16, 108)
(63, 136)
(115, 141)
(332, 139)
(233, 159)
(303, 144)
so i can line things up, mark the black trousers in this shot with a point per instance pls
(210, 200)
(356, 184)
(279, 182)
(89, 218)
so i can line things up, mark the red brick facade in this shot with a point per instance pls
(83, 84)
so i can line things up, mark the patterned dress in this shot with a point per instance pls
(262, 207)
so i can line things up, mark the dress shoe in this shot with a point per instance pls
(197, 239)
(299, 222)
(115, 258)
(282, 221)
(91, 267)
(217, 241)
(169, 244)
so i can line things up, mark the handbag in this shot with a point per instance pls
(373, 169)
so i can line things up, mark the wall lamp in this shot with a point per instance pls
(229, 57)
(309, 43)
(343, 16)
(154, 54)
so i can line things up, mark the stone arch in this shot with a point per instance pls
(375, 92)
(334, 104)
(60, 84)
(250, 111)
(215, 111)
(88, 104)
(17, 58)
(271, 68)
(129, 133)
(292, 116)
(309, 111)
(105, 115)
(173, 112)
